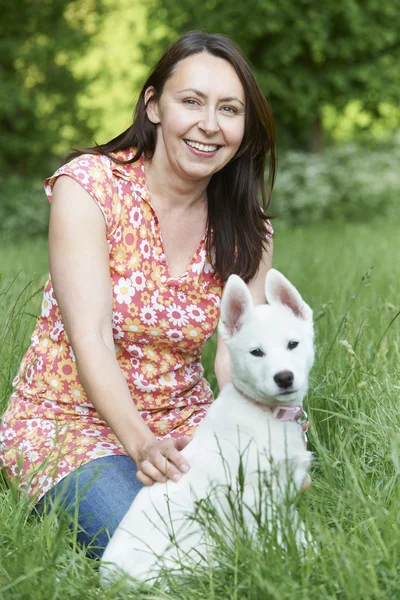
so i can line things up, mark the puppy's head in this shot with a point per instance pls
(270, 346)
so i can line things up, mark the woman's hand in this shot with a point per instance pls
(159, 460)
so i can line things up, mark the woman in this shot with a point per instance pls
(144, 231)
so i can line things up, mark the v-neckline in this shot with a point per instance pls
(144, 193)
(170, 280)
(173, 281)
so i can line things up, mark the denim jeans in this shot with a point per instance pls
(97, 495)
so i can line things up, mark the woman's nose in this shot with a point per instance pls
(209, 122)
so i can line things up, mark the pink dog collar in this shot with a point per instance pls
(291, 413)
(284, 413)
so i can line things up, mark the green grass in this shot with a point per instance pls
(350, 276)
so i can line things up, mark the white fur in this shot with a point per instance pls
(231, 423)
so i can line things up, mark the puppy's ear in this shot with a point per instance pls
(236, 306)
(279, 290)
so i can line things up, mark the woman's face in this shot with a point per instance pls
(200, 117)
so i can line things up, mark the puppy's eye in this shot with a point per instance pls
(292, 345)
(257, 352)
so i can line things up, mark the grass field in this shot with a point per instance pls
(350, 275)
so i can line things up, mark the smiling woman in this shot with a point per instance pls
(144, 232)
(207, 120)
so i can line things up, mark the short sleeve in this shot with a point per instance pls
(94, 174)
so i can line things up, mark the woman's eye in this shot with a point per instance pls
(257, 352)
(230, 109)
(190, 101)
(292, 344)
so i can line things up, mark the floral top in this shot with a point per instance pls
(160, 325)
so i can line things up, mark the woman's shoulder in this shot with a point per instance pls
(98, 168)
(100, 175)
(83, 168)
(114, 161)
(118, 164)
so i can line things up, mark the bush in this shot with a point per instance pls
(24, 209)
(346, 183)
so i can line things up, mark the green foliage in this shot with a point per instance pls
(306, 54)
(115, 67)
(344, 183)
(23, 274)
(38, 110)
(14, 333)
(23, 207)
(357, 123)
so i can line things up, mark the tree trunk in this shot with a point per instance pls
(316, 143)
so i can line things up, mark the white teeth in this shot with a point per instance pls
(201, 147)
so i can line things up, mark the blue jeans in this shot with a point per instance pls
(97, 496)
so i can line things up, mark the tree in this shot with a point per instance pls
(38, 110)
(306, 54)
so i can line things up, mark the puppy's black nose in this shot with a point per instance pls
(284, 379)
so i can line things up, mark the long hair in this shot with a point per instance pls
(238, 196)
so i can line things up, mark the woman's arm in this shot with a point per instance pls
(80, 272)
(257, 289)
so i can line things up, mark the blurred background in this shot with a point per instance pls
(70, 72)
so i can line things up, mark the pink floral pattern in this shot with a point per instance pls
(160, 325)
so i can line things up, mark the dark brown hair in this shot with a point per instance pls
(236, 222)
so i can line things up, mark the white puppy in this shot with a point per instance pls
(257, 422)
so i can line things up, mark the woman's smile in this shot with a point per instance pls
(202, 149)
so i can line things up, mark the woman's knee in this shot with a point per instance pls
(95, 497)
